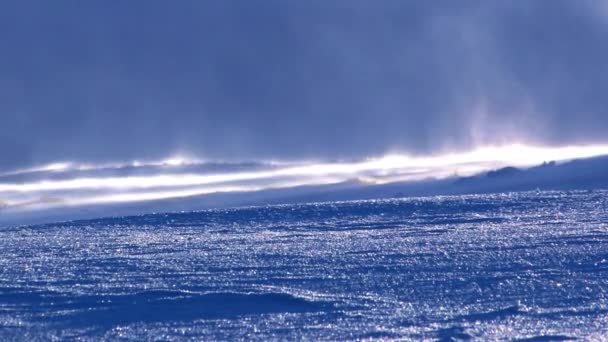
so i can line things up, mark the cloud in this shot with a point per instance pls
(294, 80)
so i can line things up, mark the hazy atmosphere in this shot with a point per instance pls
(255, 80)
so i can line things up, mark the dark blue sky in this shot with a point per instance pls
(255, 79)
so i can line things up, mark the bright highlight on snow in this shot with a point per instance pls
(68, 184)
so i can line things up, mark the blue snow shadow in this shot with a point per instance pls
(162, 306)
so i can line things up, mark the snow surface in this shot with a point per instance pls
(528, 265)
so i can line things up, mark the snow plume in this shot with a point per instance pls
(48, 186)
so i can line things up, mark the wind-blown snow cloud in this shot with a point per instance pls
(98, 82)
(72, 185)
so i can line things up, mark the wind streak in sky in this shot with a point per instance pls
(67, 186)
